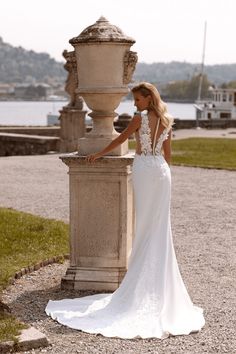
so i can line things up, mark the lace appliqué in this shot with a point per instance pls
(164, 135)
(145, 135)
(145, 138)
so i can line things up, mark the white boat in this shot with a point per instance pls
(56, 98)
(221, 106)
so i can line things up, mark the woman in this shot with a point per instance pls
(151, 301)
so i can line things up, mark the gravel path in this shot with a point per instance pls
(35, 184)
(203, 221)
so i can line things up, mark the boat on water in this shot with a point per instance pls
(222, 101)
(222, 105)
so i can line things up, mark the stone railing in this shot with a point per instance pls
(204, 123)
(45, 131)
(22, 144)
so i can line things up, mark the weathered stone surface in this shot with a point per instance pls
(31, 338)
(72, 80)
(37, 266)
(23, 144)
(44, 131)
(103, 31)
(105, 66)
(23, 271)
(72, 122)
(102, 221)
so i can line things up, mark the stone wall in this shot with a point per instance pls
(45, 131)
(206, 123)
(22, 144)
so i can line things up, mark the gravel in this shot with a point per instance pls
(203, 222)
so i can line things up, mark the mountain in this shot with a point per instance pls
(174, 71)
(20, 65)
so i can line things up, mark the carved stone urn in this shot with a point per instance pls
(105, 66)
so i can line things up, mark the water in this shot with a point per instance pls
(178, 110)
(35, 113)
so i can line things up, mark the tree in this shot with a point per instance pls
(187, 89)
(228, 85)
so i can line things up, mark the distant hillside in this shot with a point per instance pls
(173, 71)
(20, 65)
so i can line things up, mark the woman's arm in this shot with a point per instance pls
(131, 128)
(167, 148)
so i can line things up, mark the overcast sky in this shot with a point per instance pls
(164, 30)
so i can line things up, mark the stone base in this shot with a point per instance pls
(101, 222)
(90, 146)
(80, 278)
(72, 122)
(31, 338)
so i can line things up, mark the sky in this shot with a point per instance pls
(165, 31)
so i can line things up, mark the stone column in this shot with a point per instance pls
(72, 122)
(72, 116)
(101, 195)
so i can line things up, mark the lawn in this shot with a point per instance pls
(26, 240)
(9, 327)
(203, 152)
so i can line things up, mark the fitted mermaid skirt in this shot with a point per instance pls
(152, 300)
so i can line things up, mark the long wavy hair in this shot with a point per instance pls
(156, 104)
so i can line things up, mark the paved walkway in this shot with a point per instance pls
(203, 222)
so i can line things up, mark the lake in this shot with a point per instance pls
(35, 113)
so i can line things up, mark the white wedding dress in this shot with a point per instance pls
(151, 301)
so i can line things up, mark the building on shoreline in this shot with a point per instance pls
(31, 92)
(221, 106)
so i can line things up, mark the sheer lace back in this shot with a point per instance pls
(147, 146)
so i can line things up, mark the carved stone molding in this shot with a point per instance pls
(102, 30)
(72, 80)
(130, 60)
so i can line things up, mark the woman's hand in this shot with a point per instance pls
(93, 157)
(132, 127)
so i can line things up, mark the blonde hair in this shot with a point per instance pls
(156, 104)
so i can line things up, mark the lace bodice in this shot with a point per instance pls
(145, 138)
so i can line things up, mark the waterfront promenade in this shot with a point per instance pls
(203, 223)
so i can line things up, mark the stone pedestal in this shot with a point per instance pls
(101, 221)
(72, 122)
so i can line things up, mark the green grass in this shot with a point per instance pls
(26, 240)
(203, 152)
(10, 327)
